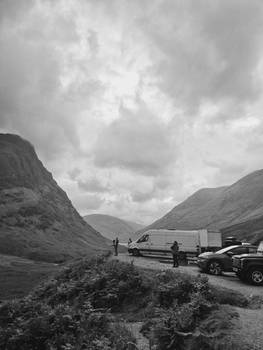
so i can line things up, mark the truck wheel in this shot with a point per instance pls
(255, 276)
(215, 268)
(136, 252)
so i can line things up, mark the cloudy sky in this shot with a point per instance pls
(135, 104)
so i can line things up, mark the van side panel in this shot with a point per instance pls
(187, 240)
(203, 236)
(214, 239)
(156, 240)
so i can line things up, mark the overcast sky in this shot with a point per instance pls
(134, 105)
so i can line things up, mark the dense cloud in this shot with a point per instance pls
(138, 141)
(133, 105)
(92, 185)
(208, 52)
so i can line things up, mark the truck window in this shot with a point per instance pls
(239, 250)
(252, 250)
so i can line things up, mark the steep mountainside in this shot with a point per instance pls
(237, 209)
(37, 220)
(112, 227)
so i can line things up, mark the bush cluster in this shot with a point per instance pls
(79, 309)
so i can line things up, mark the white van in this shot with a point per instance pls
(159, 242)
(260, 248)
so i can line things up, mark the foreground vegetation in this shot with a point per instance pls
(89, 304)
(18, 276)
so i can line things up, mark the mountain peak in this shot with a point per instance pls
(37, 218)
(112, 227)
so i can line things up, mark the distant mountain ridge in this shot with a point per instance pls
(112, 227)
(235, 210)
(37, 220)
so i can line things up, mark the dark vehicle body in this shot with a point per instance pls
(216, 263)
(249, 268)
(229, 241)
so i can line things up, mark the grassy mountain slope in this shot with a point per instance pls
(236, 209)
(37, 220)
(112, 227)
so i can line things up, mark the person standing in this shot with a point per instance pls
(116, 245)
(175, 253)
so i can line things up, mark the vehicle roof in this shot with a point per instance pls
(236, 246)
(254, 255)
(158, 231)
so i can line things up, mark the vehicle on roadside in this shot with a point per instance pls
(159, 242)
(229, 241)
(249, 267)
(221, 260)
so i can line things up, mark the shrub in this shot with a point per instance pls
(227, 296)
(39, 326)
(77, 309)
(173, 288)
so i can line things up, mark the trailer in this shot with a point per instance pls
(191, 242)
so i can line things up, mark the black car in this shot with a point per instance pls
(249, 268)
(216, 263)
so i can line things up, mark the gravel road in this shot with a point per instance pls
(227, 280)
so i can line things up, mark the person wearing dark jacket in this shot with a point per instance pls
(175, 250)
(115, 244)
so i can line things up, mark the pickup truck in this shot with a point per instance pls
(249, 268)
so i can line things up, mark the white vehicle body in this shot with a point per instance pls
(260, 248)
(160, 241)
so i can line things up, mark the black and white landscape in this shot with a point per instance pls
(116, 118)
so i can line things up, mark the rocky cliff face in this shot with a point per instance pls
(236, 210)
(37, 220)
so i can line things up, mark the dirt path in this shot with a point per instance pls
(228, 280)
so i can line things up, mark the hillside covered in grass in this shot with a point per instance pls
(112, 227)
(236, 210)
(91, 303)
(37, 219)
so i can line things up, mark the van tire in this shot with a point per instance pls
(135, 252)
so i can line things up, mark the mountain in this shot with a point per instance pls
(112, 227)
(236, 210)
(135, 226)
(37, 220)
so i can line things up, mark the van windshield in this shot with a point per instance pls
(143, 239)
